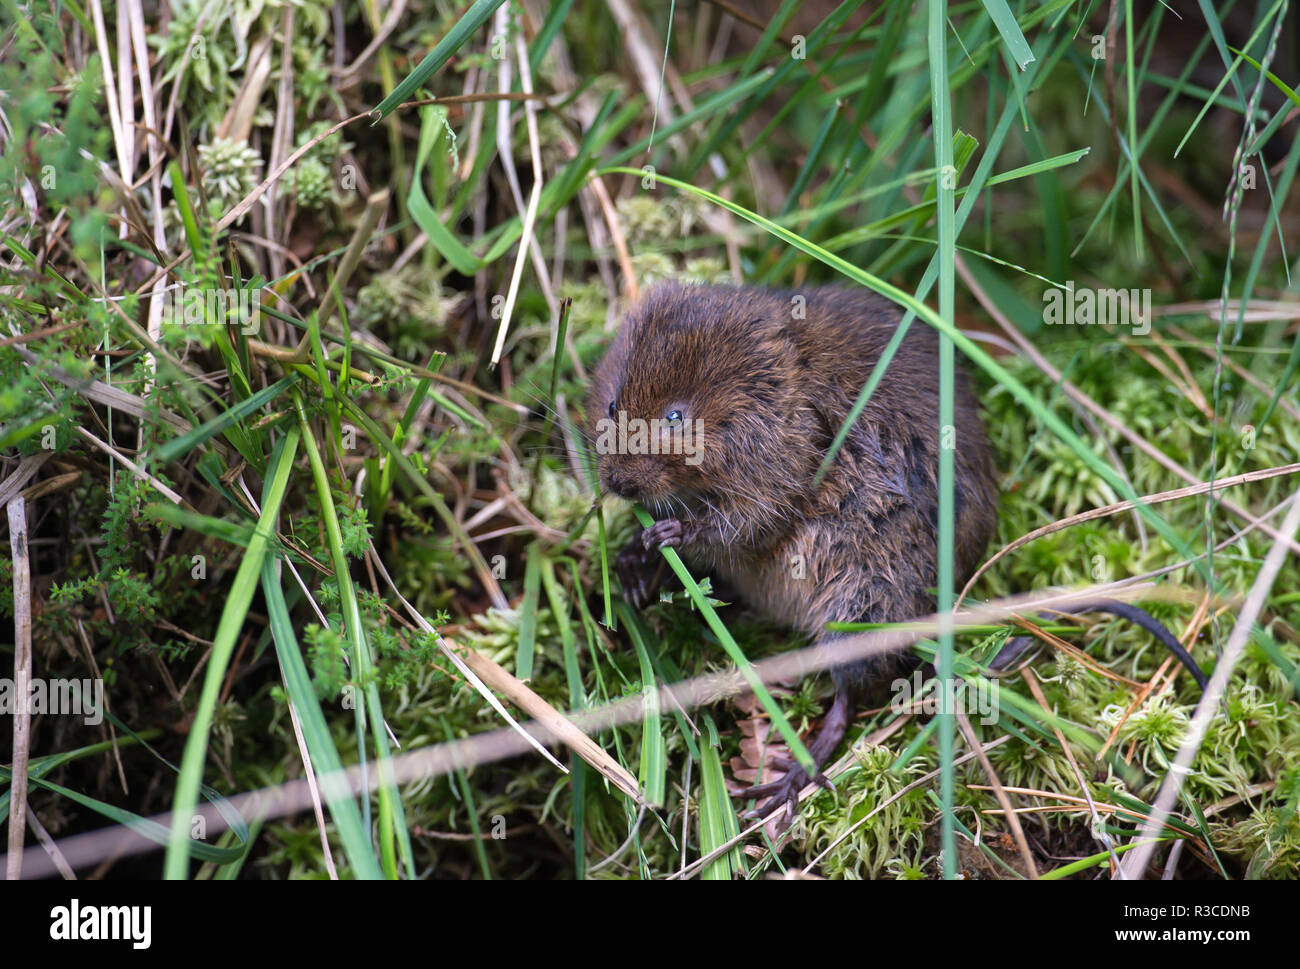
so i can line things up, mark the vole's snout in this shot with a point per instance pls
(636, 479)
(621, 483)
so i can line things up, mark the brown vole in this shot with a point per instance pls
(739, 393)
(714, 408)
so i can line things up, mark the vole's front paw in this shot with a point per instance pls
(640, 570)
(669, 533)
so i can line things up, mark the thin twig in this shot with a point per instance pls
(22, 714)
(999, 792)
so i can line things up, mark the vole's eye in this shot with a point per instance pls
(613, 411)
(674, 418)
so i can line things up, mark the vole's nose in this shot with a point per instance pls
(621, 483)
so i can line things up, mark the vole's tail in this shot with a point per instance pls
(1015, 647)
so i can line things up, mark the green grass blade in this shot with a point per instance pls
(528, 613)
(733, 651)
(200, 435)
(717, 816)
(550, 27)
(391, 816)
(941, 112)
(1005, 21)
(474, 18)
(325, 758)
(425, 216)
(1139, 245)
(180, 845)
(555, 595)
(146, 827)
(1083, 864)
(653, 773)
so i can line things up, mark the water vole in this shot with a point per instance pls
(714, 408)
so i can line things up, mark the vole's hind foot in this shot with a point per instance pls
(641, 572)
(785, 791)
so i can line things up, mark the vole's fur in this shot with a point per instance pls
(770, 376)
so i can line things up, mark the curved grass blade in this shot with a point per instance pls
(654, 755)
(733, 651)
(190, 440)
(1005, 21)
(392, 824)
(717, 817)
(320, 744)
(232, 620)
(40, 766)
(474, 18)
(425, 216)
(145, 827)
